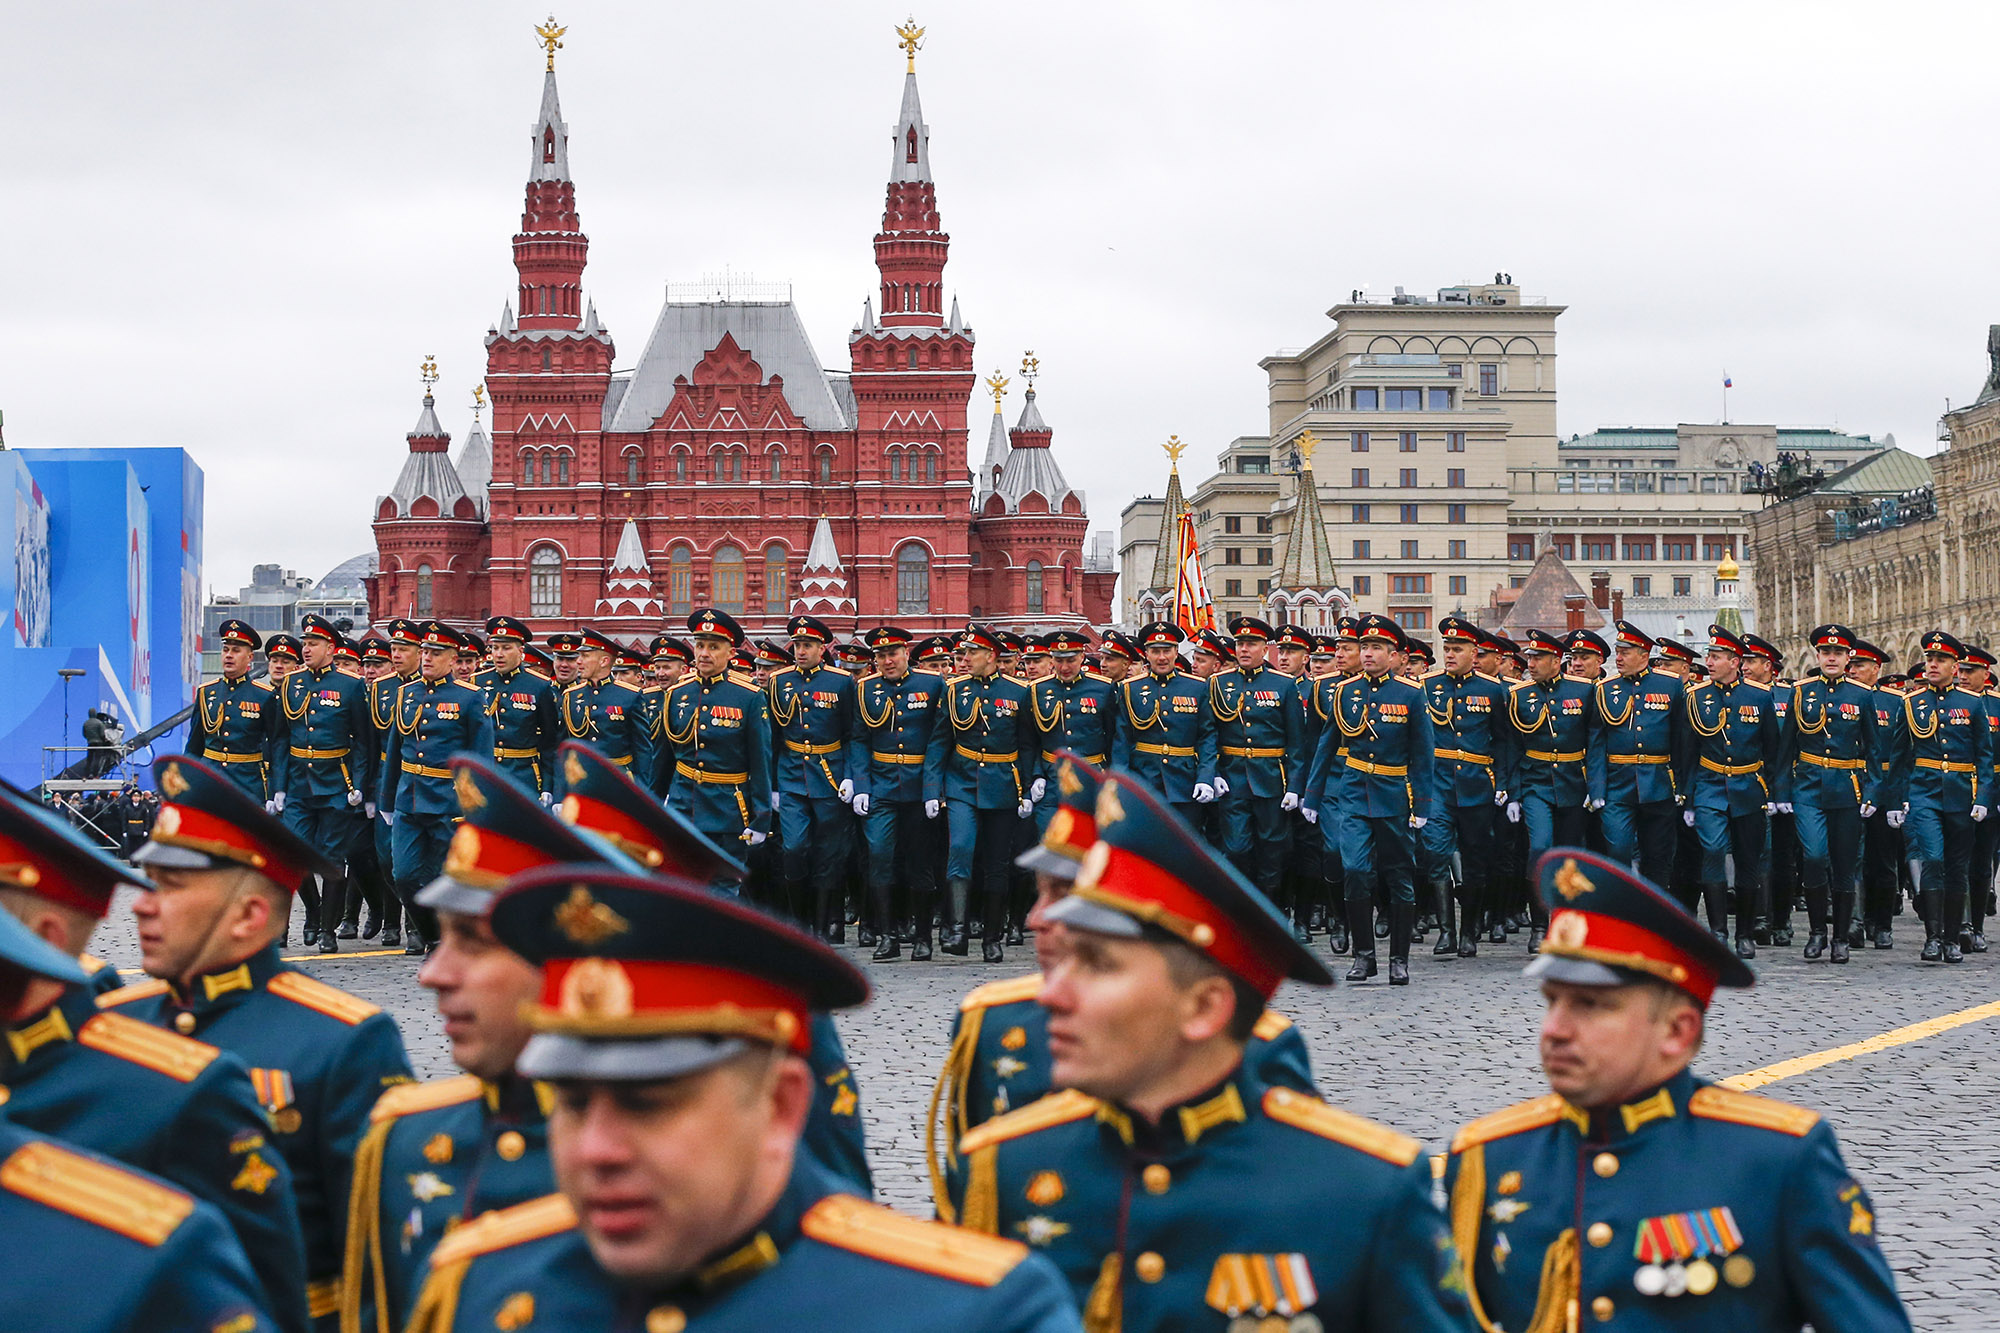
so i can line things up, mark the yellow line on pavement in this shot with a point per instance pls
(345, 953)
(1882, 1041)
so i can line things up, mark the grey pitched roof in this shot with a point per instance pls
(428, 472)
(1308, 561)
(1890, 472)
(1031, 416)
(550, 118)
(912, 114)
(427, 427)
(1032, 470)
(614, 392)
(997, 449)
(475, 466)
(1165, 573)
(769, 330)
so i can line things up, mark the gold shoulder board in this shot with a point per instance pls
(264, 684)
(138, 990)
(1002, 992)
(1270, 1025)
(1487, 676)
(504, 1228)
(861, 1227)
(1058, 1108)
(410, 1098)
(317, 995)
(1744, 1108)
(98, 1192)
(1516, 1119)
(179, 1058)
(1343, 1127)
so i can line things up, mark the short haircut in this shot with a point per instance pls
(1187, 965)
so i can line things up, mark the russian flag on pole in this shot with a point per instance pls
(1727, 383)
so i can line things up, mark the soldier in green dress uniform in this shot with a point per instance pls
(522, 703)
(715, 740)
(237, 722)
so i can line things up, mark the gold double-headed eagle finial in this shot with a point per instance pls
(551, 38)
(998, 384)
(478, 402)
(1031, 367)
(1174, 449)
(911, 38)
(429, 373)
(1305, 444)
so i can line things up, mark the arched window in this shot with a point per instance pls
(826, 469)
(631, 469)
(913, 358)
(909, 145)
(718, 466)
(725, 577)
(680, 467)
(545, 582)
(777, 467)
(913, 580)
(423, 590)
(549, 146)
(776, 590)
(930, 467)
(548, 360)
(680, 581)
(896, 465)
(1035, 602)
(547, 463)
(562, 469)
(527, 468)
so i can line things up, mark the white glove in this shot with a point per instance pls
(1867, 810)
(1418, 821)
(1784, 807)
(1687, 817)
(1594, 805)
(1290, 801)
(860, 804)
(1036, 788)
(271, 807)
(1203, 793)
(1770, 807)
(930, 809)
(753, 837)
(353, 796)
(1499, 798)
(777, 799)
(1024, 809)
(368, 809)
(1896, 817)
(389, 818)
(1221, 785)
(1513, 812)
(278, 803)
(548, 798)
(1312, 815)
(1978, 814)
(847, 790)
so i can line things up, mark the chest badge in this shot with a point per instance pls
(1674, 1251)
(1504, 1211)
(256, 1175)
(1014, 1039)
(1510, 1183)
(1039, 1231)
(1045, 1189)
(1260, 1285)
(437, 1149)
(1007, 1066)
(428, 1185)
(515, 1313)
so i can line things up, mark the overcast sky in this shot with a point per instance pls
(239, 228)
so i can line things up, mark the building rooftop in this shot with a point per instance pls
(1890, 472)
(1790, 438)
(770, 331)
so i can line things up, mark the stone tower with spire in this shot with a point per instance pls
(430, 537)
(1156, 602)
(1306, 591)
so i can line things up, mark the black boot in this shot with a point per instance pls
(1815, 942)
(1358, 915)
(392, 924)
(371, 922)
(1447, 945)
(1336, 934)
(1954, 913)
(1402, 916)
(1498, 933)
(1534, 939)
(1381, 925)
(332, 898)
(309, 899)
(958, 901)
(919, 928)
(887, 946)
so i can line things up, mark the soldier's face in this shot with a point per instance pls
(1724, 666)
(565, 669)
(1632, 659)
(1120, 1025)
(663, 1175)
(282, 667)
(236, 659)
(1545, 667)
(1069, 666)
(1866, 671)
(1589, 662)
(193, 921)
(1459, 656)
(480, 986)
(892, 663)
(372, 670)
(1292, 661)
(402, 658)
(595, 663)
(1347, 657)
(438, 663)
(1204, 665)
(506, 654)
(1759, 669)
(1832, 661)
(1603, 1045)
(711, 655)
(1050, 938)
(1250, 655)
(1116, 667)
(979, 661)
(1162, 657)
(318, 652)
(808, 653)
(1377, 657)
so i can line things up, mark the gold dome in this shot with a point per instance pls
(1728, 568)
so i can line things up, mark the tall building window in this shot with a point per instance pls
(717, 469)
(1411, 618)
(1454, 513)
(1642, 585)
(1638, 548)
(1678, 548)
(1410, 549)
(562, 469)
(1034, 582)
(1358, 442)
(1409, 585)
(1454, 550)
(896, 465)
(1564, 547)
(1364, 585)
(548, 361)
(1361, 550)
(1409, 513)
(725, 578)
(913, 358)
(1263, 587)
(1406, 476)
(1403, 400)
(777, 467)
(680, 581)
(1683, 585)
(1232, 555)
(930, 467)
(1440, 399)
(913, 580)
(1232, 587)
(1520, 546)
(1454, 477)
(1263, 555)
(1264, 525)
(631, 469)
(423, 590)
(547, 464)
(826, 468)
(545, 582)
(1714, 548)
(1489, 380)
(775, 591)
(1597, 547)
(680, 467)
(1457, 585)
(1360, 477)
(1406, 441)
(1359, 514)
(1454, 441)
(1232, 523)
(1366, 400)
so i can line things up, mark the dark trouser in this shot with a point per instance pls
(365, 878)
(1829, 859)
(1785, 880)
(1979, 883)
(420, 843)
(1941, 842)
(1881, 871)
(1305, 869)
(1744, 837)
(816, 834)
(1643, 834)
(1468, 830)
(330, 828)
(1379, 858)
(900, 838)
(1256, 839)
(984, 839)
(383, 837)
(1547, 825)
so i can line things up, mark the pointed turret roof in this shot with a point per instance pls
(1543, 601)
(548, 158)
(628, 585)
(997, 449)
(1308, 562)
(1031, 466)
(475, 466)
(1164, 575)
(822, 583)
(911, 160)
(427, 473)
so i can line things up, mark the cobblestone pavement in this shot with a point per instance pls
(1916, 1122)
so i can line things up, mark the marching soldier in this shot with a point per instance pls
(1304, 659)
(155, 1101)
(565, 650)
(1882, 843)
(1587, 652)
(1584, 1200)
(1169, 1176)
(899, 785)
(1764, 665)
(437, 716)
(1208, 651)
(1118, 655)
(237, 722)
(745, 1232)
(1976, 675)
(1641, 725)
(108, 1247)
(603, 713)
(1034, 658)
(443, 1153)
(1550, 714)
(671, 659)
(1834, 786)
(405, 655)
(989, 749)
(222, 874)
(1075, 710)
(1383, 787)
(527, 724)
(935, 654)
(1168, 735)
(368, 879)
(1734, 783)
(998, 1059)
(715, 762)
(1949, 747)
(327, 766)
(283, 654)
(1474, 756)
(1261, 764)
(812, 721)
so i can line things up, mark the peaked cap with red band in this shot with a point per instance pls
(1149, 868)
(1630, 635)
(647, 978)
(1073, 824)
(206, 821)
(884, 637)
(1674, 648)
(1292, 636)
(1834, 636)
(505, 832)
(1155, 632)
(1765, 649)
(599, 797)
(506, 629)
(284, 645)
(980, 636)
(1610, 927)
(41, 854)
(1937, 641)
(1118, 645)
(1067, 642)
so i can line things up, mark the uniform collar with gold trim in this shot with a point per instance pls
(1182, 1127)
(517, 1098)
(225, 985)
(47, 1033)
(765, 1243)
(1608, 1124)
